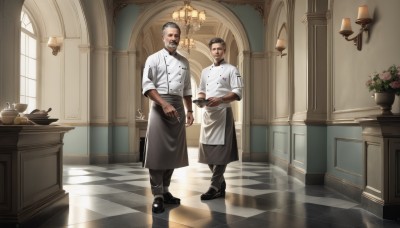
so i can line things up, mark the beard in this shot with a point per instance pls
(172, 44)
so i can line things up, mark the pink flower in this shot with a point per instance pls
(385, 75)
(395, 85)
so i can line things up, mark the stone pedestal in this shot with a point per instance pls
(381, 193)
(31, 171)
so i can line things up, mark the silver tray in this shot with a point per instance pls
(201, 102)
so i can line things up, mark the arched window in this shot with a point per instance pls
(28, 70)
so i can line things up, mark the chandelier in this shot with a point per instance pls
(187, 43)
(189, 18)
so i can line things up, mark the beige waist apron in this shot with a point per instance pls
(213, 127)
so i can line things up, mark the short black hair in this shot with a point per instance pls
(170, 25)
(216, 40)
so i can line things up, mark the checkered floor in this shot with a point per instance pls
(257, 195)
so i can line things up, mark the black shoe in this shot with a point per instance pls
(210, 194)
(223, 187)
(158, 205)
(170, 199)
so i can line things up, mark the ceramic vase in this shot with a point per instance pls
(385, 102)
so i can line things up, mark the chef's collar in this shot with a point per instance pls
(219, 62)
(170, 53)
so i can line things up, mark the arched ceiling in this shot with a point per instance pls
(215, 25)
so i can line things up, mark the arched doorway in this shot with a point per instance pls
(146, 39)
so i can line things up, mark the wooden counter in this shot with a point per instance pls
(31, 171)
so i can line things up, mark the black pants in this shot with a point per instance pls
(160, 180)
(217, 176)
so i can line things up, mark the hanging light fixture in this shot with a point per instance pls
(187, 43)
(189, 18)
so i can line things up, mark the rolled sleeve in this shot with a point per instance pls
(236, 83)
(148, 77)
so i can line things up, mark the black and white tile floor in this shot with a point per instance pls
(257, 195)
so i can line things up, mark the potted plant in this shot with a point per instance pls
(385, 86)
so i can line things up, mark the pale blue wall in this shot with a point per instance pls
(253, 24)
(76, 142)
(345, 153)
(316, 154)
(124, 25)
(258, 139)
(100, 140)
(96, 141)
(279, 141)
(120, 140)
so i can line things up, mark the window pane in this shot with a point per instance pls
(22, 99)
(31, 69)
(31, 88)
(32, 47)
(31, 104)
(23, 38)
(23, 66)
(23, 86)
(28, 83)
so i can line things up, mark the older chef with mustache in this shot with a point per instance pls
(166, 81)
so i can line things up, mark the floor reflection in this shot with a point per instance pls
(257, 195)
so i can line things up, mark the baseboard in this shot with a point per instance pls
(258, 157)
(281, 163)
(126, 158)
(76, 160)
(306, 178)
(344, 187)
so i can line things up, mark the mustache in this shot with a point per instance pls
(173, 42)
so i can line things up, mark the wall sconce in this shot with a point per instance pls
(363, 19)
(280, 46)
(55, 44)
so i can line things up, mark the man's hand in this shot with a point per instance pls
(214, 101)
(189, 119)
(170, 111)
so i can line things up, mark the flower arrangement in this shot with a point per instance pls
(388, 81)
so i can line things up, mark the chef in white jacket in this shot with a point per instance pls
(220, 84)
(166, 81)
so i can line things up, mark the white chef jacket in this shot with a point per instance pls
(217, 81)
(167, 73)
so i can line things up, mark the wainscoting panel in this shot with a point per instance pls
(348, 156)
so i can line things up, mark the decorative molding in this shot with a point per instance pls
(343, 186)
(118, 5)
(256, 4)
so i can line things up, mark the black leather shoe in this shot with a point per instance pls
(170, 199)
(210, 194)
(158, 205)
(223, 187)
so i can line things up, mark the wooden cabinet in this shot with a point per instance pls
(381, 193)
(31, 171)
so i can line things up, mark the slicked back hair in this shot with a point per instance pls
(217, 40)
(170, 25)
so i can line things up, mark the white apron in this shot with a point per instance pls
(213, 125)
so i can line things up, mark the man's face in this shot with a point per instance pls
(171, 38)
(217, 51)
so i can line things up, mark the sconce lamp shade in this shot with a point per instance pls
(363, 12)
(55, 44)
(363, 19)
(280, 45)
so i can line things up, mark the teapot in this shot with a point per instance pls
(8, 114)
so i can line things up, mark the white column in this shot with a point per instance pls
(10, 27)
